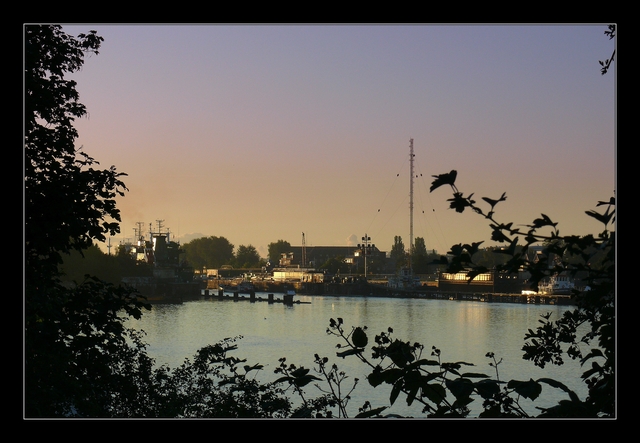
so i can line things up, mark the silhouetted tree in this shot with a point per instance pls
(398, 255)
(587, 332)
(277, 248)
(335, 265)
(81, 361)
(247, 257)
(606, 64)
(75, 341)
(211, 252)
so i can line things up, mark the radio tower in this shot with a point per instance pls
(304, 252)
(411, 155)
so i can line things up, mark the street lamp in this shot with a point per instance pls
(366, 249)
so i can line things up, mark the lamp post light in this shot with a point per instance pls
(366, 249)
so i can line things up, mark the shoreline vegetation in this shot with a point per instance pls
(82, 361)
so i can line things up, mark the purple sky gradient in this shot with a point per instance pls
(260, 133)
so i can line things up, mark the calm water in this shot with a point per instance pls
(462, 330)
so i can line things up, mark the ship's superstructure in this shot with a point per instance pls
(172, 280)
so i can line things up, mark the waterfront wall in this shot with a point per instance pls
(362, 288)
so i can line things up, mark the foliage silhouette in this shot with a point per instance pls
(586, 332)
(75, 341)
(592, 258)
(81, 360)
(247, 257)
(276, 249)
(211, 252)
(611, 33)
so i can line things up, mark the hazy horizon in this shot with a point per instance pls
(258, 133)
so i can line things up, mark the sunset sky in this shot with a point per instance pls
(258, 133)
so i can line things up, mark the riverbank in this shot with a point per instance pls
(365, 289)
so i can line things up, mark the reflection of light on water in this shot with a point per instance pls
(462, 330)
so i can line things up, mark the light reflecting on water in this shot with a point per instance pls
(462, 330)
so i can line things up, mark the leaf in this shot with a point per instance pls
(544, 221)
(300, 372)
(511, 250)
(411, 396)
(594, 353)
(435, 392)
(283, 379)
(498, 235)
(459, 202)
(528, 389)
(460, 388)
(376, 378)
(444, 179)
(474, 375)
(400, 353)
(392, 375)
(555, 384)
(423, 362)
(379, 376)
(255, 367)
(487, 388)
(603, 218)
(456, 250)
(475, 272)
(305, 380)
(360, 339)
(473, 247)
(395, 391)
(495, 202)
(612, 202)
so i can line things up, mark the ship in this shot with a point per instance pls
(243, 287)
(556, 285)
(403, 280)
(171, 280)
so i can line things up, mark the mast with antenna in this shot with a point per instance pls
(304, 252)
(411, 155)
(138, 233)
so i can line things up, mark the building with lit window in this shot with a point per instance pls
(487, 282)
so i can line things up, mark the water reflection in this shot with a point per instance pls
(463, 330)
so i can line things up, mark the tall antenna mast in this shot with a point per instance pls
(411, 155)
(304, 252)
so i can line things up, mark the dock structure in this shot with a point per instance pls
(362, 288)
(221, 294)
(538, 299)
(424, 292)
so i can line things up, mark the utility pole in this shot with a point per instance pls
(366, 250)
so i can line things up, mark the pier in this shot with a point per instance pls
(429, 292)
(221, 294)
(361, 288)
(538, 299)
